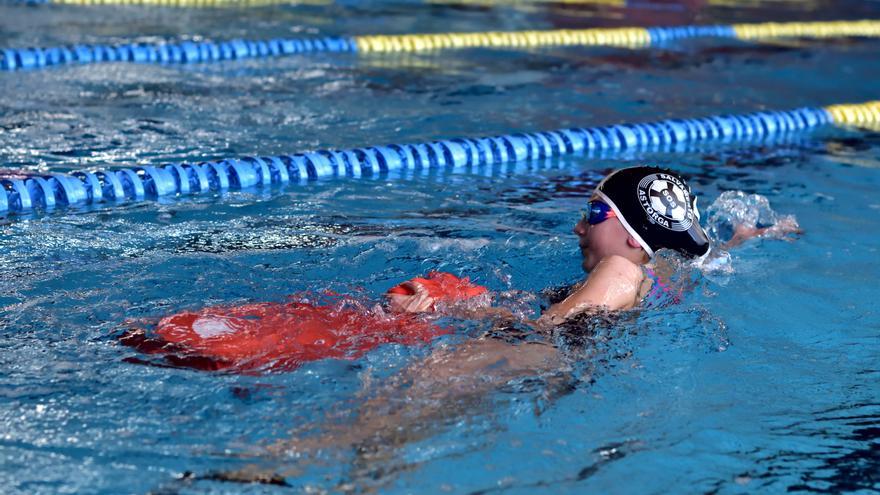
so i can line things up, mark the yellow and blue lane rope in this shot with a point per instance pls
(627, 37)
(87, 187)
(209, 51)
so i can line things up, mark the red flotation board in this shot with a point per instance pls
(283, 336)
(441, 286)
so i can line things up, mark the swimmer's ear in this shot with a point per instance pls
(632, 242)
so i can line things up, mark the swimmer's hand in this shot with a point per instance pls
(420, 294)
(417, 301)
(786, 229)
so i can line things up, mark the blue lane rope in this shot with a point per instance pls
(185, 52)
(179, 179)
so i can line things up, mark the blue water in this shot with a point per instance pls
(764, 379)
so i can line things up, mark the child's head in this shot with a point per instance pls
(636, 211)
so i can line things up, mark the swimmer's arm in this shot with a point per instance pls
(613, 285)
(450, 384)
(488, 312)
(781, 230)
(421, 303)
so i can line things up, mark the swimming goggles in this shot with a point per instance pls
(598, 212)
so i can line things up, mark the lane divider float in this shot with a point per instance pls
(210, 51)
(167, 53)
(180, 179)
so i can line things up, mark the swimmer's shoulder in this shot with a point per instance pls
(618, 267)
(613, 285)
(623, 281)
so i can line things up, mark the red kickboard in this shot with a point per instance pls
(283, 336)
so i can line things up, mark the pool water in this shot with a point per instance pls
(764, 379)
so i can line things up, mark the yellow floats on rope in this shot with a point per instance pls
(857, 115)
(629, 37)
(807, 29)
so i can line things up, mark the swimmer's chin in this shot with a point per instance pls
(587, 265)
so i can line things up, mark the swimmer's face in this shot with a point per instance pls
(604, 239)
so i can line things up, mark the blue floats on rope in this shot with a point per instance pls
(185, 52)
(663, 34)
(152, 182)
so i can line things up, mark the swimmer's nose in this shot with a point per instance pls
(580, 228)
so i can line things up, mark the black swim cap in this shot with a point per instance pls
(657, 208)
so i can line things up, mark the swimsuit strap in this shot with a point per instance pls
(661, 294)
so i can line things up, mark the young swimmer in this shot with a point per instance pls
(633, 213)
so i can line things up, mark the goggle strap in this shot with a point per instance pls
(625, 224)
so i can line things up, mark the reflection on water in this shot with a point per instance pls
(848, 460)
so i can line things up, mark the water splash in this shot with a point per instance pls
(735, 211)
(736, 217)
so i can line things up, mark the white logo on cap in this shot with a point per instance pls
(667, 201)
